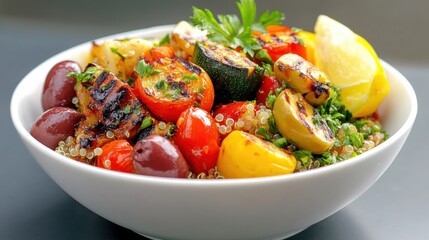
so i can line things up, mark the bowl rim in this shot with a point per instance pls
(26, 137)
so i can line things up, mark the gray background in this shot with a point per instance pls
(34, 207)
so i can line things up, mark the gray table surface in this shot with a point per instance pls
(32, 206)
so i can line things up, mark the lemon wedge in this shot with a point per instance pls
(352, 66)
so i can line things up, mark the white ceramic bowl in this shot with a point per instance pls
(259, 208)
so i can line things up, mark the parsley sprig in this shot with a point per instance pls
(232, 32)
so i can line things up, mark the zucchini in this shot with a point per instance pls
(234, 77)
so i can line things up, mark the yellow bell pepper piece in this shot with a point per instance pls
(243, 155)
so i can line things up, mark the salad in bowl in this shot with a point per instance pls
(211, 99)
(227, 127)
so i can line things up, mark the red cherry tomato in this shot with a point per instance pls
(158, 52)
(116, 156)
(197, 137)
(234, 111)
(269, 84)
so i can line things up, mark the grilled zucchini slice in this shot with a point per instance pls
(234, 77)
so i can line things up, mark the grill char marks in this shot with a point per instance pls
(189, 66)
(320, 89)
(116, 106)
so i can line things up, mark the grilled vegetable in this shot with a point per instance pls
(268, 86)
(280, 40)
(169, 86)
(116, 156)
(295, 120)
(120, 56)
(302, 76)
(183, 39)
(235, 78)
(243, 155)
(111, 108)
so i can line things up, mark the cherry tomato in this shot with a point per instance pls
(174, 86)
(234, 111)
(156, 53)
(197, 137)
(117, 156)
(269, 84)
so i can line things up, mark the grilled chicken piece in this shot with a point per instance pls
(111, 108)
(302, 76)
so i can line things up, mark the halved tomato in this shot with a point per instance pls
(169, 86)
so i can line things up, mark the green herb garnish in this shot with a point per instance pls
(304, 156)
(161, 85)
(127, 109)
(263, 132)
(116, 51)
(280, 142)
(145, 70)
(164, 40)
(187, 78)
(147, 122)
(232, 32)
(85, 76)
(333, 112)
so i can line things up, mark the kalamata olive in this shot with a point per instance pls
(55, 124)
(157, 156)
(58, 90)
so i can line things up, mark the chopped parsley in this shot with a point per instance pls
(187, 78)
(116, 51)
(127, 109)
(145, 70)
(85, 76)
(171, 130)
(147, 122)
(333, 112)
(280, 142)
(263, 132)
(304, 156)
(164, 40)
(161, 85)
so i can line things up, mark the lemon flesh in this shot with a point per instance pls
(352, 66)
